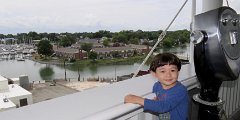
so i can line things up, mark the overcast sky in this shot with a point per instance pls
(22, 16)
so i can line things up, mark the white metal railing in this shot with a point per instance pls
(138, 114)
(229, 93)
(135, 112)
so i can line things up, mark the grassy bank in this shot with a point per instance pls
(129, 60)
(114, 61)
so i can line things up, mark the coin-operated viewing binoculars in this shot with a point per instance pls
(216, 57)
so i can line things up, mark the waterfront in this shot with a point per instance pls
(37, 71)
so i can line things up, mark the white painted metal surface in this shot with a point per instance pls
(211, 4)
(15, 80)
(192, 29)
(229, 93)
(6, 105)
(3, 84)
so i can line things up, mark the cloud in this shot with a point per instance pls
(92, 15)
(235, 4)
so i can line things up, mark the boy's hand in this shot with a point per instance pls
(134, 99)
(155, 98)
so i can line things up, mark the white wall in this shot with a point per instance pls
(16, 100)
(3, 84)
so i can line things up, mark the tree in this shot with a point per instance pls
(168, 42)
(102, 33)
(33, 35)
(46, 73)
(92, 55)
(45, 48)
(53, 37)
(135, 41)
(121, 38)
(21, 37)
(66, 41)
(106, 42)
(9, 36)
(1, 36)
(43, 35)
(87, 46)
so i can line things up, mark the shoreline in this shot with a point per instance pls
(52, 62)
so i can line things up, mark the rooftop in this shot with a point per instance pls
(6, 103)
(14, 90)
(3, 78)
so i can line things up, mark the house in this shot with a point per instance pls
(122, 51)
(72, 53)
(95, 45)
(111, 52)
(140, 49)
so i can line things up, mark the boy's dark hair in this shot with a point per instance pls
(162, 59)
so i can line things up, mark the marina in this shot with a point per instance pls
(38, 70)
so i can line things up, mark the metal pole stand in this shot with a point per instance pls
(210, 110)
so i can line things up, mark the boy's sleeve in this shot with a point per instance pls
(154, 88)
(166, 105)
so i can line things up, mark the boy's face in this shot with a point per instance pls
(167, 75)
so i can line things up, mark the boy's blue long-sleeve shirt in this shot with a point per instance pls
(174, 100)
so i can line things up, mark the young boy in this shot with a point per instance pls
(171, 101)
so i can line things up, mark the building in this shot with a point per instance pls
(71, 53)
(9, 40)
(13, 96)
(140, 49)
(122, 51)
(111, 52)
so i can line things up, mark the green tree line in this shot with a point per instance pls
(173, 38)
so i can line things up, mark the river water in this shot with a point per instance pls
(37, 71)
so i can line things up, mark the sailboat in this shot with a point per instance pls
(21, 58)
